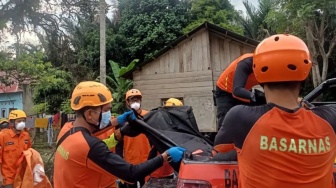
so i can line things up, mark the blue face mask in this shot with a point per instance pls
(106, 117)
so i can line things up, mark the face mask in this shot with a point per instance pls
(135, 106)
(20, 126)
(106, 117)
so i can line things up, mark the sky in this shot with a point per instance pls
(239, 4)
(31, 37)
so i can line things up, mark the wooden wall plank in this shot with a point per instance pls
(194, 55)
(215, 54)
(187, 56)
(248, 49)
(234, 50)
(175, 85)
(175, 90)
(171, 75)
(181, 57)
(226, 56)
(174, 80)
(206, 62)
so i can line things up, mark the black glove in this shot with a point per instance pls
(130, 129)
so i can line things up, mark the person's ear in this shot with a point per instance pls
(88, 113)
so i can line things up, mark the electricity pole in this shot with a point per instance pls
(102, 42)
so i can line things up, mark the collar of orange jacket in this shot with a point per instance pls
(12, 133)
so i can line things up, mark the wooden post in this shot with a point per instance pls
(102, 42)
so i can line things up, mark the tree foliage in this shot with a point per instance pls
(53, 91)
(254, 23)
(50, 85)
(219, 12)
(25, 69)
(314, 21)
(118, 85)
(148, 26)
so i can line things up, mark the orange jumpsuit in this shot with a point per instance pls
(279, 147)
(136, 149)
(11, 148)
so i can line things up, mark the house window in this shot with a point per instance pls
(163, 101)
(3, 112)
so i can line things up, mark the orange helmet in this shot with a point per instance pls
(90, 93)
(281, 58)
(132, 93)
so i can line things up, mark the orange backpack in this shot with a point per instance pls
(30, 172)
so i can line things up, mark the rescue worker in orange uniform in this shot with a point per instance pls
(12, 143)
(166, 171)
(234, 85)
(105, 134)
(82, 159)
(136, 149)
(281, 144)
(4, 125)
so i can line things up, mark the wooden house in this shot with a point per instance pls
(188, 69)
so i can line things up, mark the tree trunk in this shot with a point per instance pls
(325, 68)
(102, 43)
(314, 77)
(313, 53)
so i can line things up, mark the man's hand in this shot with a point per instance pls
(175, 154)
(123, 118)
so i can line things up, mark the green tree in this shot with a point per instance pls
(118, 85)
(254, 23)
(148, 26)
(52, 91)
(220, 12)
(315, 22)
(31, 71)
